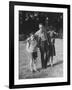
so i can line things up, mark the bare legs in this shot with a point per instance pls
(33, 65)
(51, 60)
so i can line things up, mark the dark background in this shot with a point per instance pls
(29, 21)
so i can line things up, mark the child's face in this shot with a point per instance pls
(32, 37)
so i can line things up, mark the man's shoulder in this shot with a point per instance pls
(37, 32)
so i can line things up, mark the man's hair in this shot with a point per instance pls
(41, 24)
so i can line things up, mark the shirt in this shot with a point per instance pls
(51, 33)
(41, 35)
(31, 45)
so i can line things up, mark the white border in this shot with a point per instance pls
(18, 81)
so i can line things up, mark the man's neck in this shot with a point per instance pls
(41, 30)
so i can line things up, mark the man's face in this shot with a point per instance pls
(40, 26)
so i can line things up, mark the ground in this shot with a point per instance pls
(55, 71)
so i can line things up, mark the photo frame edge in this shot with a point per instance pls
(11, 49)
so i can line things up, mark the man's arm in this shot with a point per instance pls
(55, 32)
(37, 33)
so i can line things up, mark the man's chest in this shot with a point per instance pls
(42, 35)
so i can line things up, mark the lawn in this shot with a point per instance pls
(55, 71)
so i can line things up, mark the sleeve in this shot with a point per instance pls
(37, 33)
(54, 32)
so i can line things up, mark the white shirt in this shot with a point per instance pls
(31, 45)
(41, 35)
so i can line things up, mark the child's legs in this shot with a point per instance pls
(34, 65)
(31, 63)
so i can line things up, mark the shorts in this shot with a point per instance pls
(34, 55)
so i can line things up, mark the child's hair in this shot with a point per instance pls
(31, 33)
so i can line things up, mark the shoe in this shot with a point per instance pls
(51, 64)
(34, 71)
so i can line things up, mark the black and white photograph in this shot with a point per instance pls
(40, 44)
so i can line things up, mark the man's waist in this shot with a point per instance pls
(44, 40)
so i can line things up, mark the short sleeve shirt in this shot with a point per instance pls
(41, 35)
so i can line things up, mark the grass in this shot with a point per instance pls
(55, 71)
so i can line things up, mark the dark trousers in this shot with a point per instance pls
(43, 51)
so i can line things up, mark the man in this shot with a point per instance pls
(41, 33)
